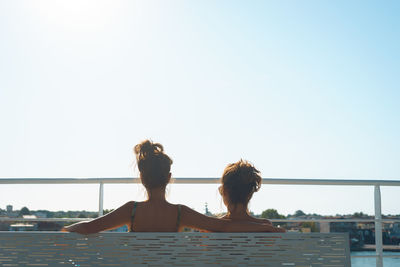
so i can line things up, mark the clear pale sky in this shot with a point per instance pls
(302, 89)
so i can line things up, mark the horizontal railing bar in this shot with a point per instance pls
(374, 256)
(8, 219)
(127, 180)
(334, 220)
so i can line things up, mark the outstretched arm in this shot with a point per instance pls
(196, 220)
(266, 221)
(114, 219)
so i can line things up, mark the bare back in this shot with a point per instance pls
(155, 216)
(161, 216)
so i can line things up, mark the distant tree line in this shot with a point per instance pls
(267, 214)
(57, 214)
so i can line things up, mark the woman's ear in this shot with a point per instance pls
(220, 190)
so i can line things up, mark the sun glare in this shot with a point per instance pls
(88, 15)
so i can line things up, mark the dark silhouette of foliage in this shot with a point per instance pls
(359, 215)
(24, 211)
(272, 214)
(107, 211)
(299, 213)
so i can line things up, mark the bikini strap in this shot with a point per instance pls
(178, 221)
(133, 214)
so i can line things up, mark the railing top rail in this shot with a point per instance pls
(7, 219)
(183, 180)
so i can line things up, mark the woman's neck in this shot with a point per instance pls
(156, 194)
(238, 211)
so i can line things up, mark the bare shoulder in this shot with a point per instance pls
(185, 209)
(261, 220)
(128, 205)
(190, 215)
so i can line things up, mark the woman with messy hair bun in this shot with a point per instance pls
(156, 214)
(239, 182)
(153, 164)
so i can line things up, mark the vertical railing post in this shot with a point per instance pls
(101, 197)
(378, 227)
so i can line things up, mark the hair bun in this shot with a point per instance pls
(148, 148)
(154, 165)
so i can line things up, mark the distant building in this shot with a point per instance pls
(10, 212)
(343, 227)
(207, 212)
(324, 227)
(40, 214)
(25, 226)
(49, 226)
(29, 216)
(22, 227)
(4, 226)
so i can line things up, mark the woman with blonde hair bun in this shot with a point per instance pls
(156, 214)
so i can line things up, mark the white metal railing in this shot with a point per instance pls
(278, 181)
